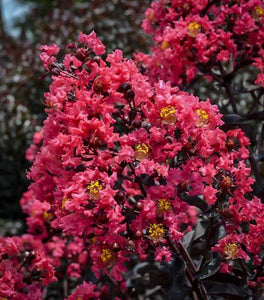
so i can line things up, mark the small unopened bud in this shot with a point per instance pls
(116, 114)
(139, 205)
(131, 244)
(253, 285)
(187, 147)
(137, 123)
(71, 46)
(97, 59)
(183, 186)
(27, 253)
(116, 247)
(129, 95)
(138, 234)
(27, 279)
(229, 144)
(160, 217)
(4, 256)
(119, 196)
(125, 233)
(32, 254)
(142, 67)
(82, 54)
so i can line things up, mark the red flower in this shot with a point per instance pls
(47, 55)
(93, 42)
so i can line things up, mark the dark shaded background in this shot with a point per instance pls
(117, 23)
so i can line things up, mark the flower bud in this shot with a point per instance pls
(116, 114)
(229, 144)
(137, 123)
(138, 234)
(120, 196)
(129, 95)
(115, 247)
(139, 205)
(82, 54)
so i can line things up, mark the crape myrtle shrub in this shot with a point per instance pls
(136, 193)
(213, 48)
(21, 111)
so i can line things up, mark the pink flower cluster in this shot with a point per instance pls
(120, 157)
(192, 36)
(24, 268)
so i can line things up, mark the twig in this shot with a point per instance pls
(196, 283)
(138, 181)
(227, 86)
(186, 255)
(24, 261)
(254, 168)
(260, 139)
(65, 287)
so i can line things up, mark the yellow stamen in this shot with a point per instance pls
(93, 188)
(231, 250)
(64, 200)
(141, 151)
(151, 16)
(257, 13)
(106, 255)
(167, 114)
(47, 215)
(163, 205)
(193, 29)
(165, 45)
(156, 232)
(203, 117)
(49, 103)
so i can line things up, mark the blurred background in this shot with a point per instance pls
(24, 26)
